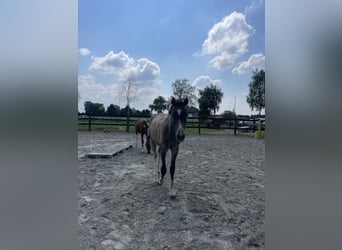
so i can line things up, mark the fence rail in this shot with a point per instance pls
(218, 123)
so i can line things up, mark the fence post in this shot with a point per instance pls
(127, 120)
(235, 126)
(253, 125)
(89, 122)
(199, 125)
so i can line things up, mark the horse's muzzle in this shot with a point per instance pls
(180, 136)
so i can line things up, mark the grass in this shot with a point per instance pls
(259, 134)
(122, 128)
(204, 131)
(106, 128)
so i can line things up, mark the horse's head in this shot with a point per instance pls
(144, 127)
(179, 114)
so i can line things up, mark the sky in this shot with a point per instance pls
(156, 42)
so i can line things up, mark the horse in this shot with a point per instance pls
(141, 127)
(167, 131)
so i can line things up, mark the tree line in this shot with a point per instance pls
(97, 109)
(210, 97)
(208, 100)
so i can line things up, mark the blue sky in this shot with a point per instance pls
(157, 42)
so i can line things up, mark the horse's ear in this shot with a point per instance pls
(185, 102)
(173, 101)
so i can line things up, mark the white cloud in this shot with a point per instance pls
(146, 95)
(223, 61)
(203, 81)
(143, 71)
(90, 90)
(255, 4)
(84, 51)
(227, 40)
(256, 61)
(111, 63)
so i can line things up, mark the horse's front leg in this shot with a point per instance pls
(142, 142)
(163, 167)
(174, 152)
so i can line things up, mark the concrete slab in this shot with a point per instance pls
(98, 155)
(112, 150)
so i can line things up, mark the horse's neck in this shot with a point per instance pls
(171, 129)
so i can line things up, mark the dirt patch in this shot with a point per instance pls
(219, 181)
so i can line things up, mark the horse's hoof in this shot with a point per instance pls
(160, 182)
(172, 195)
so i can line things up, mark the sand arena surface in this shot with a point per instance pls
(220, 187)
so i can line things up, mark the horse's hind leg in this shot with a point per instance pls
(136, 140)
(174, 152)
(157, 165)
(156, 161)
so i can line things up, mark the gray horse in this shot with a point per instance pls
(167, 131)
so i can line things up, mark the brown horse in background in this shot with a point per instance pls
(141, 127)
(167, 131)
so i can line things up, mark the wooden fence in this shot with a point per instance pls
(215, 123)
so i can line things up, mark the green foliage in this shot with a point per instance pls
(181, 89)
(259, 134)
(145, 113)
(159, 104)
(94, 109)
(123, 111)
(138, 113)
(97, 109)
(209, 100)
(256, 96)
(204, 111)
(227, 114)
(135, 112)
(193, 110)
(113, 110)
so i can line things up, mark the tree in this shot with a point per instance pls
(204, 110)
(193, 110)
(256, 96)
(113, 110)
(88, 107)
(159, 104)
(137, 113)
(145, 113)
(181, 89)
(125, 110)
(94, 109)
(227, 114)
(128, 92)
(209, 100)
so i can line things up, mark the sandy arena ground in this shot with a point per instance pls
(220, 187)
